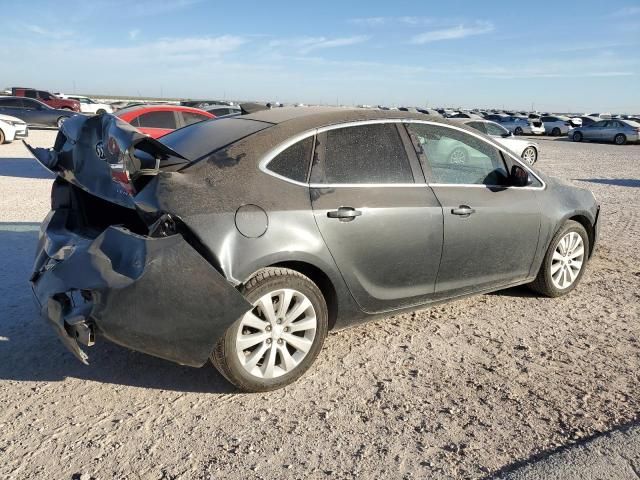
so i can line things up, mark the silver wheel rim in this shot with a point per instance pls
(458, 156)
(567, 260)
(529, 155)
(277, 334)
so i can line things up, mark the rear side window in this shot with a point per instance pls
(30, 94)
(156, 120)
(361, 154)
(293, 162)
(478, 126)
(191, 118)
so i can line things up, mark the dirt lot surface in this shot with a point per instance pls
(463, 390)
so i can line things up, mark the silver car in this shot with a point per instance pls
(617, 131)
(525, 149)
(518, 125)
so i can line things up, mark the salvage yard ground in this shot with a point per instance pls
(462, 390)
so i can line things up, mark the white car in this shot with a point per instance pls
(525, 149)
(12, 128)
(87, 105)
(556, 125)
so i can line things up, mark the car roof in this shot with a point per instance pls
(157, 108)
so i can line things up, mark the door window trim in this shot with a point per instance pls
(271, 154)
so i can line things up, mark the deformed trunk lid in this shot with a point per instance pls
(96, 153)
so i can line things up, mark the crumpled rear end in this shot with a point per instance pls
(104, 266)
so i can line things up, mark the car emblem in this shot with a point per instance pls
(100, 150)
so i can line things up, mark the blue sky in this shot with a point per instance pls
(561, 56)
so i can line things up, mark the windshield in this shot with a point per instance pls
(203, 138)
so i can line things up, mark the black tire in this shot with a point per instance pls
(556, 132)
(518, 131)
(2, 137)
(101, 111)
(620, 139)
(543, 283)
(224, 356)
(577, 137)
(533, 155)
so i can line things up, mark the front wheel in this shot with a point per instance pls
(276, 341)
(564, 262)
(577, 137)
(620, 139)
(530, 155)
(518, 131)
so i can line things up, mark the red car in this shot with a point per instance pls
(158, 120)
(47, 98)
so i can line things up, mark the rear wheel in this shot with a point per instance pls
(556, 132)
(530, 155)
(577, 137)
(564, 262)
(275, 342)
(101, 111)
(620, 139)
(518, 131)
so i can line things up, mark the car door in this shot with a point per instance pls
(381, 223)
(39, 113)
(490, 229)
(595, 131)
(13, 107)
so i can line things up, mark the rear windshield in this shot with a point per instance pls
(200, 139)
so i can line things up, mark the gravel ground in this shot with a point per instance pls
(463, 390)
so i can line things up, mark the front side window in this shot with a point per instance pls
(156, 120)
(293, 162)
(458, 158)
(364, 154)
(30, 94)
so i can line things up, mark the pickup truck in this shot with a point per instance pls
(47, 98)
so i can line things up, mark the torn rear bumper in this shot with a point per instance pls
(154, 295)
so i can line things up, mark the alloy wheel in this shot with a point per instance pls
(276, 335)
(529, 155)
(567, 260)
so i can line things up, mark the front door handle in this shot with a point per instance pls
(463, 210)
(344, 214)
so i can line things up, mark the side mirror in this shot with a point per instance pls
(519, 177)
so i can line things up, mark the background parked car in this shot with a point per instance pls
(223, 110)
(87, 105)
(525, 149)
(158, 120)
(555, 125)
(33, 112)
(518, 125)
(12, 128)
(47, 98)
(616, 131)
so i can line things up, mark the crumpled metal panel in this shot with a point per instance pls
(153, 295)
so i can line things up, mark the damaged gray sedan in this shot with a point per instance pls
(245, 240)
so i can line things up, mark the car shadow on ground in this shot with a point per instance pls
(619, 182)
(26, 167)
(31, 352)
(520, 291)
(510, 470)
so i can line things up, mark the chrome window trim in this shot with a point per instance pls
(271, 154)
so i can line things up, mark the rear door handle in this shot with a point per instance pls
(463, 210)
(344, 214)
